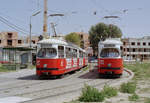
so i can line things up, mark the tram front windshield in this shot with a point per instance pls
(47, 53)
(109, 53)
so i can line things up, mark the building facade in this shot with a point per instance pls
(84, 40)
(136, 48)
(8, 39)
(16, 49)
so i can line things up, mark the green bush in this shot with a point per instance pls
(129, 87)
(91, 94)
(134, 97)
(109, 91)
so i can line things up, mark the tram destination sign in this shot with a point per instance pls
(109, 45)
(46, 45)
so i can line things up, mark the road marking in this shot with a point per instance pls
(13, 99)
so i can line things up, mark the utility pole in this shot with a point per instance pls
(30, 25)
(45, 20)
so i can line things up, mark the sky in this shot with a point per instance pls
(79, 16)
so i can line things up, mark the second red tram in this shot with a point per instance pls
(110, 61)
(56, 57)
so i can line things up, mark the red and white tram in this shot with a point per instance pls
(110, 61)
(56, 57)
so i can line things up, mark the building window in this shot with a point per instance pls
(144, 49)
(124, 49)
(133, 43)
(121, 48)
(81, 36)
(144, 43)
(9, 42)
(0, 41)
(9, 35)
(149, 43)
(127, 49)
(124, 43)
(19, 41)
(133, 49)
(138, 43)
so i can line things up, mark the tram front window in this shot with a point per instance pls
(109, 53)
(47, 53)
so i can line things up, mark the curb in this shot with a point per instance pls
(124, 80)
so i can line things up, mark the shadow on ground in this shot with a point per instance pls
(34, 77)
(93, 74)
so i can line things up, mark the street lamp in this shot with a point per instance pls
(30, 39)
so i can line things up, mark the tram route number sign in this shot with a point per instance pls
(109, 45)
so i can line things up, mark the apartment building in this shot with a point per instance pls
(14, 48)
(8, 39)
(34, 40)
(84, 40)
(136, 48)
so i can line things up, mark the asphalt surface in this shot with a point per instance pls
(24, 86)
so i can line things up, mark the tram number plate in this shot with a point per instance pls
(46, 73)
(110, 72)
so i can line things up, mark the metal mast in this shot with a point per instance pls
(45, 20)
(54, 31)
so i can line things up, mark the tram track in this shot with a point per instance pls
(91, 82)
(49, 89)
(29, 83)
(67, 92)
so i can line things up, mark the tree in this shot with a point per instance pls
(100, 32)
(73, 38)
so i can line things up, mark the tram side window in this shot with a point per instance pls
(75, 53)
(80, 54)
(68, 53)
(84, 55)
(109, 52)
(61, 51)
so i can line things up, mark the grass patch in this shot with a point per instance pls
(133, 97)
(91, 94)
(109, 91)
(5, 69)
(85, 68)
(141, 70)
(129, 87)
(147, 100)
(145, 90)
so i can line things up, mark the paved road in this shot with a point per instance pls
(23, 86)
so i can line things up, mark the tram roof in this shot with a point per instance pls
(58, 41)
(112, 41)
(52, 41)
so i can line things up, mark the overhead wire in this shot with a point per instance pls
(15, 27)
(11, 26)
